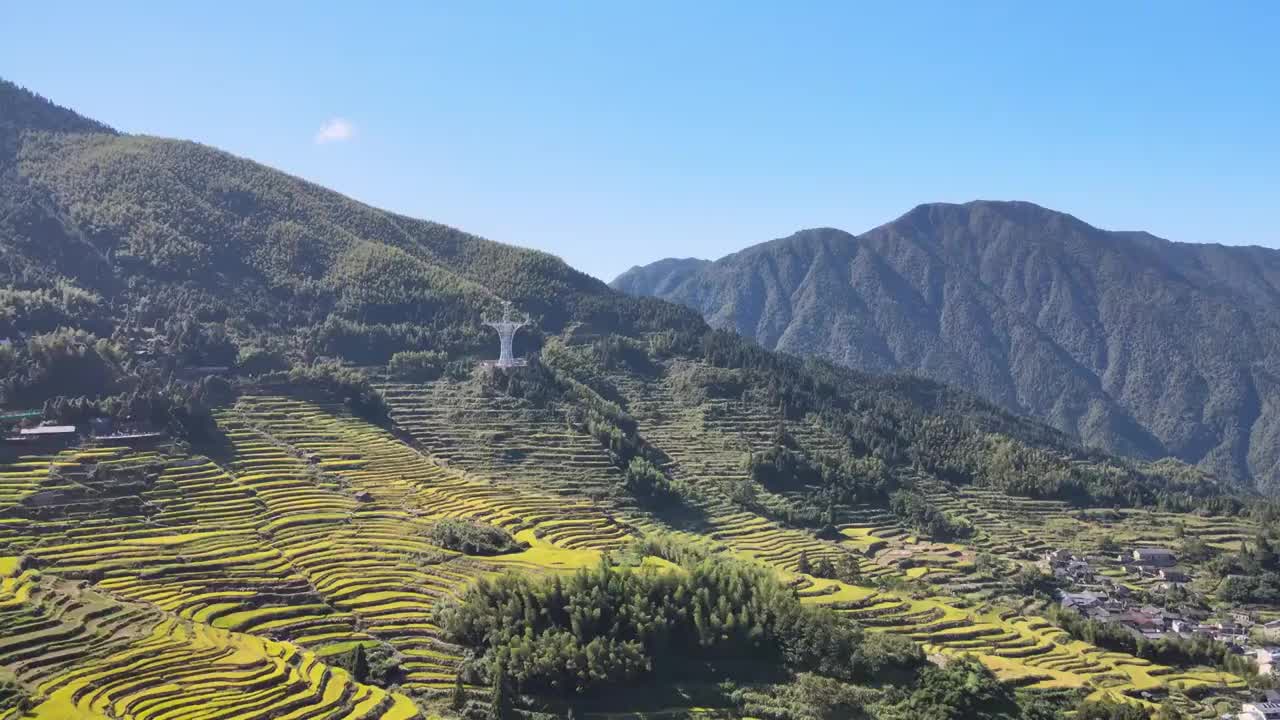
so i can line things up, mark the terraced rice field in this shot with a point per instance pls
(705, 444)
(502, 438)
(367, 556)
(86, 655)
(304, 541)
(161, 585)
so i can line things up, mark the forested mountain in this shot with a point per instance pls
(1132, 343)
(130, 258)
(658, 278)
(181, 224)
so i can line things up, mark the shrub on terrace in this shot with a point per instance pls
(916, 511)
(472, 537)
(785, 467)
(254, 360)
(63, 362)
(645, 481)
(420, 365)
(963, 689)
(14, 698)
(349, 384)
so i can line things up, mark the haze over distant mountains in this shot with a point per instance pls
(1133, 343)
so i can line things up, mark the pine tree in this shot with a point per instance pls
(459, 698)
(359, 664)
(1266, 554)
(802, 563)
(500, 697)
(849, 571)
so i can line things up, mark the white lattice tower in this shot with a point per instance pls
(507, 328)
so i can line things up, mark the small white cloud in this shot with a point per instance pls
(335, 130)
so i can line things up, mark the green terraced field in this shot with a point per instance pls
(224, 587)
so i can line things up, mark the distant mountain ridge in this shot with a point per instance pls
(1132, 343)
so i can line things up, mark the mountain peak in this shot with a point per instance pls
(1128, 342)
(664, 274)
(1016, 210)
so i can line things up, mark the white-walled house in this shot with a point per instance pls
(1268, 660)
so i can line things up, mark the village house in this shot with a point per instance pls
(1140, 623)
(45, 436)
(1154, 557)
(1082, 602)
(1271, 630)
(1267, 709)
(1229, 628)
(1116, 588)
(1268, 660)
(1077, 571)
(1260, 711)
(1055, 557)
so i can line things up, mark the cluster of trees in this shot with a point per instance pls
(608, 626)
(915, 511)
(617, 352)
(366, 343)
(45, 309)
(349, 384)
(190, 342)
(65, 361)
(254, 360)
(846, 569)
(181, 408)
(419, 365)
(963, 689)
(1250, 576)
(472, 537)
(646, 482)
(379, 664)
(785, 466)
(14, 698)
(1056, 471)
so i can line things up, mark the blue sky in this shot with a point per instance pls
(616, 133)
